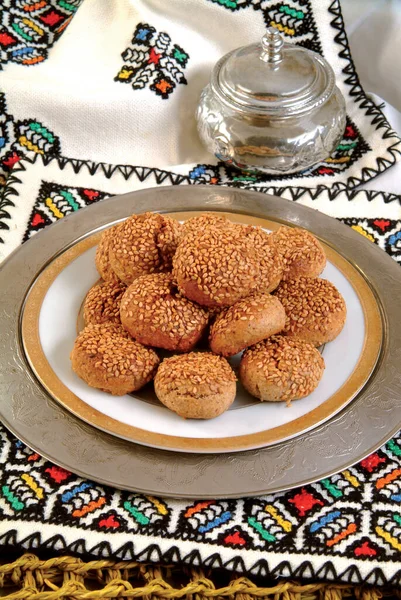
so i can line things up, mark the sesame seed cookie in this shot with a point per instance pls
(247, 322)
(102, 258)
(315, 309)
(199, 385)
(144, 243)
(156, 314)
(106, 358)
(102, 302)
(217, 267)
(281, 369)
(302, 254)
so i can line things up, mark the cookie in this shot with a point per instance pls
(302, 254)
(315, 309)
(102, 302)
(247, 322)
(271, 264)
(156, 314)
(202, 222)
(144, 243)
(281, 369)
(217, 267)
(106, 358)
(196, 385)
(102, 257)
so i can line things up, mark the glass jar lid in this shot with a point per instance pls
(273, 78)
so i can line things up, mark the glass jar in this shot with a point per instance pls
(271, 107)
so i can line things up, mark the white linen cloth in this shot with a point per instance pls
(373, 29)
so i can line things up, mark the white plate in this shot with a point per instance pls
(56, 299)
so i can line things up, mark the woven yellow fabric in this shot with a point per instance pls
(30, 578)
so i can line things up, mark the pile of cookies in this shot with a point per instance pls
(172, 286)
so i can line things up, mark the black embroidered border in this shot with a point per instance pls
(6, 202)
(142, 173)
(359, 95)
(160, 175)
(153, 553)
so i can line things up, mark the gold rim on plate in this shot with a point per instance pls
(60, 392)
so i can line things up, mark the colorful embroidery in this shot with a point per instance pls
(384, 232)
(55, 202)
(152, 61)
(29, 28)
(333, 516)
(350, 149)
(205, 174)
(18, 138)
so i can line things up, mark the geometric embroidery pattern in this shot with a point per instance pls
(29, 28)
(355, 513)
(153, 61)
(384, 232)
(55, 202)
(19, 137)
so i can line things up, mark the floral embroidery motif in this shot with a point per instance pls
(153, 61)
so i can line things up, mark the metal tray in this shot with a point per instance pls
(35, 417)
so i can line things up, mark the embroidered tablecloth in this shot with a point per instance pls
(97, 99)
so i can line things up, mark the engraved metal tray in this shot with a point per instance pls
(367, 422)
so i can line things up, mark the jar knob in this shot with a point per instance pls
(272, 43)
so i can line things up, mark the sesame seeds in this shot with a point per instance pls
(270, 260)
(244, 310)
(301, 252)
(310, 304)
(219, 265)
(154, 312)
(166, 242)
(112, 351)
(103, 301)
(145, 243)
(205, 220)
(292, 366)
(216, 267)
(102, 259)
(195, 373)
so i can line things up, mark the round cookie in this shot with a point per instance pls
(302, 254)
(102, 258)
(156, 314)
(106, 358)
(271, 263)
(102, 302)
(199, 385)
(217, 267)
(315, 309)
(144, 243)
(281, 369)
(247, 322)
